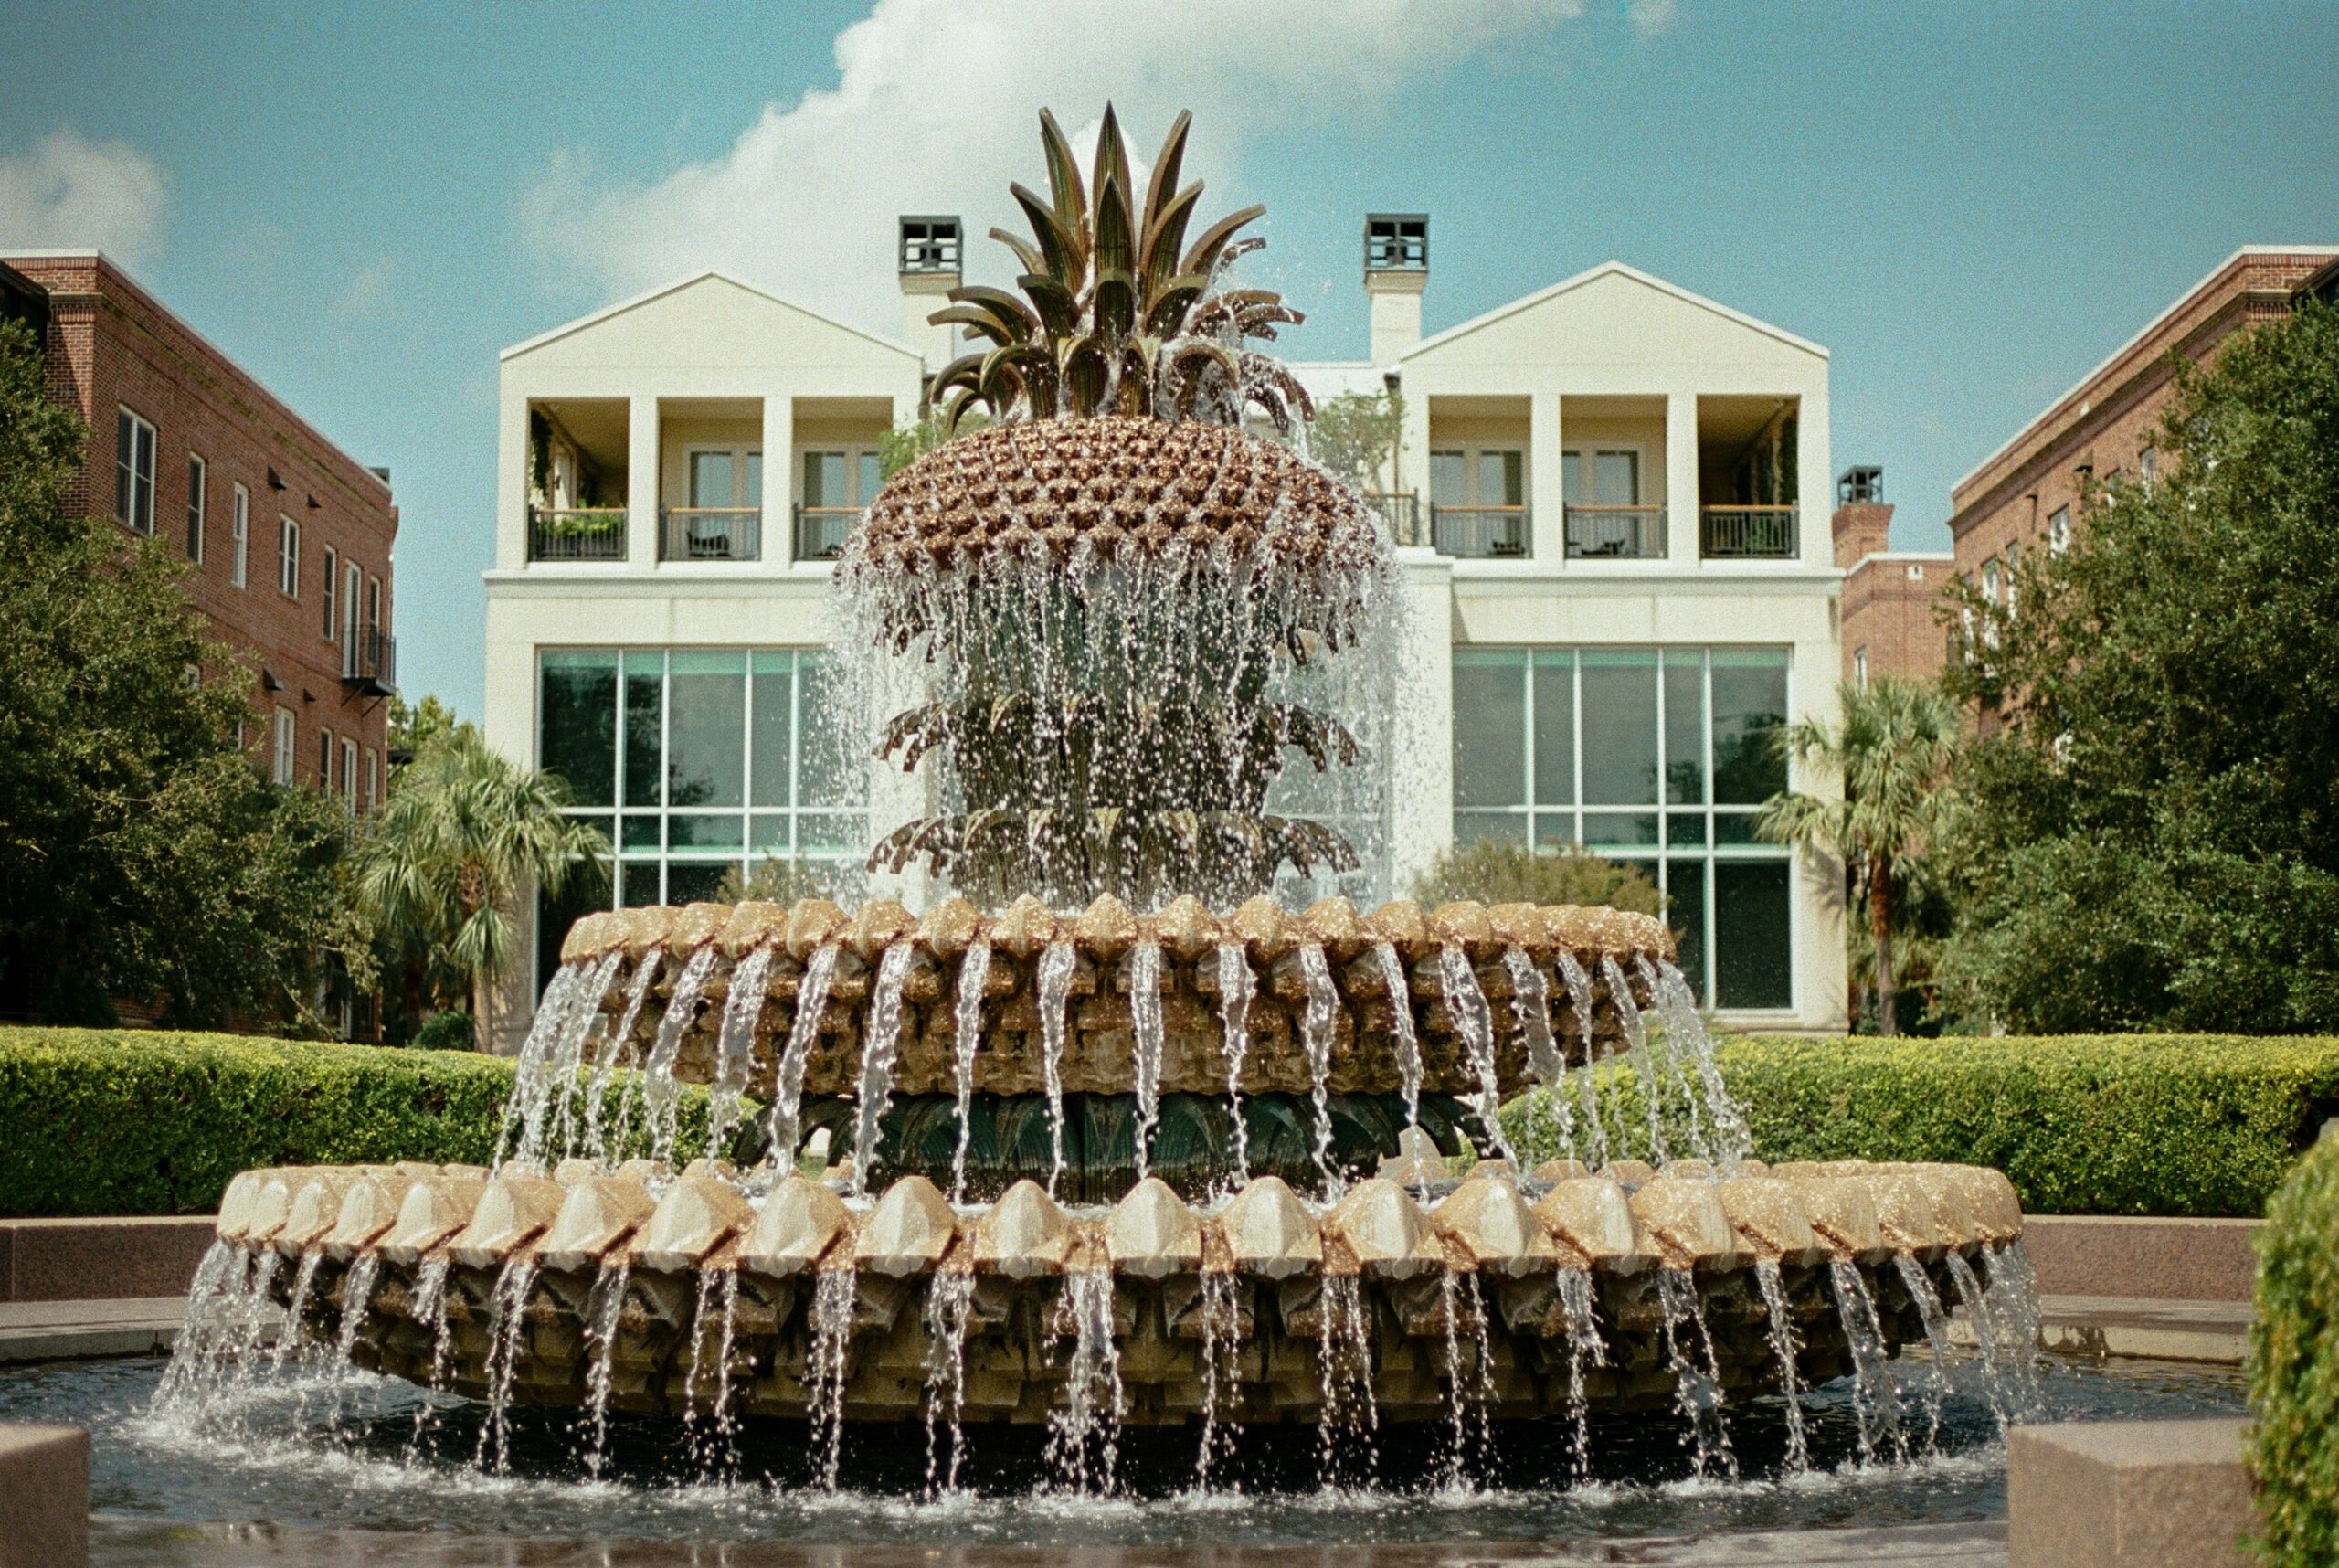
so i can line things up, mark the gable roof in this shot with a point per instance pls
(1614, 269)
(711, 273)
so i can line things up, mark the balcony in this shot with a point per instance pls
(577, 534)
(1749, 533)
(1616, 533)
(369, 664)
(821, 531)
(711, 534)
(1481, 533)
(1401, 511)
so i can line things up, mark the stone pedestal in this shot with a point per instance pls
(2128, 1494)
(44, 1497)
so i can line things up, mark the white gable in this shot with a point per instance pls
(709, 321)
(1615, 315)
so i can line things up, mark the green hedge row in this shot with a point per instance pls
(2294, 1367)
(137, 1122)
(2081, 1124)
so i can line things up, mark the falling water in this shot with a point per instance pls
(507, 1320)
(1236, 986)
(833, 1291)
(1401, 1019)
(1734, 1143)
(880, 1045)
(2014, 1307)
(293, 1337)
(1145, 1044)
(357, 1299)
(1652, 1087)
(949, 1309)
(1221, 1344)
(1315, 1031)
(787, 1095)
(1469, 1390)
(427, 1303)
(532, 1076)
(968, 1023)
(258, 1317)
(615, 1048)
(565, 1083)
(735, 1049)
(1936, 1322)
(1580, 998)
(1475, 1021)
(1783, 1351)
(1084, 1434)
(1344, 1366)
(661, 1092)
(1874, 1403)
(1055, 995)
(712, 1320)
(1697, 1382)
(604, 1309)
(1584, 1349)
(1530, 1008)
(217, 1285)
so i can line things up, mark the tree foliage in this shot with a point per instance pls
(1355, 435)
(414, 726)
(2151, 839)
(143, 856)
(1494, 872)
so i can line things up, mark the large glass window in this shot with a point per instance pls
(699, 763)
(1656, 757)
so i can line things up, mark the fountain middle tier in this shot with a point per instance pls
(1486, 1289)
(1392, 1026)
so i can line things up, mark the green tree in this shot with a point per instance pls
(1892, 751)
(443, 867)
(1356, 434)
(1491, 871)
(414, 726)
(2151, 838)
(143, 856)
(904, 444)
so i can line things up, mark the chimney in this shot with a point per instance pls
(929, 264)
(1396, 270)
(1862, 521)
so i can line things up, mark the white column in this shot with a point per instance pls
(1545, 492)
(1821, 969)
(1420, 762)
(1681, 476)
(511, 485)
(643, 483)
(1413, 460)
(779, 480)
(1813, 480)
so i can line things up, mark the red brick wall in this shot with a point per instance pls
(1861, 528)
(1888, 606)
(112, 345)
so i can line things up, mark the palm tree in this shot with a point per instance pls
(464, 833)
(1892, 751)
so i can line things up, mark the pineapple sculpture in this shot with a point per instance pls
(1122, 606)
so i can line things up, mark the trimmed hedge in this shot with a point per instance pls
(2081, 1124)
(138, 1122)
(2293, 1444)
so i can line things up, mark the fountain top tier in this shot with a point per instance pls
(1109, 928)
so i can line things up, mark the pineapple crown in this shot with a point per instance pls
(1114, 317)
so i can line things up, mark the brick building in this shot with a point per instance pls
(1889, 596)
(2027, 494)
(286, 537)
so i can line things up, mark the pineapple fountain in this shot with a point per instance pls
(1108, 1136)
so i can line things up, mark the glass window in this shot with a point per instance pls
(239, 538)
(578, 715)
(1685, 727)
(645, 727)
(824, 479)
(706, 729)
(1554, 728)
(133, 488)
(288, 557)
(1502, 478)
(1617, 479)
(2059, 530)
(197, 471)
(711, 479)
(773, 730)
(1619, 726)
(1750, 706)
(1754, 956)
(282, 769)
(324, 760)
(1449, 480)
(871, 476)
(1571, 478)
(1685, 911)
(1489, 728)
(829, 768)
(585, 891)
(333, 593)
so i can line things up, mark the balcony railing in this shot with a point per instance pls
(1747, 532)
(369, 662)
(577, 534)
(1400, 510)
(711, 534)
(1616, 533)
(1471, 532)
(821, 531)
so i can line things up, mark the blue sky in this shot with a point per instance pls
(1969, 205)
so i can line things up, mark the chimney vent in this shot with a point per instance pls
(1396, 270)
(928, 259)
(1861, 482)
(1396, 242)
(930, 245)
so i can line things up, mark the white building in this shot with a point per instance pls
(1616, 590)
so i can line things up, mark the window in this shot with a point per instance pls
(2148, 464)
(373, 605)
(846, 479)
(1859, 668)
(697, 763)
(324, 761)
(197, 471)
(2059, 530)
(352, 579)
(134, 479)
(333, 594)
(288, 557)
(373, 780)
(1656, 757)
(349, 772)
(1614, 477)
(1993, 580)
(1916, 574)
(239, 528)
(1479, 501)
(2014, 575)
(281, 770)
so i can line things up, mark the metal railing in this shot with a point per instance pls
(577, 534)
(1471, 532)
(711, 534)
(1401, 510)
(821, 531)
(1747, 532)
(369, 662)
(1616, 533)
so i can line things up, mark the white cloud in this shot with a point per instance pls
(70, 191)
(936, 109)
(367, 288)
(1650, 17)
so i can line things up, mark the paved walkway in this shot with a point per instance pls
(69, 1331)
(2140, 1326)
(132, 1543)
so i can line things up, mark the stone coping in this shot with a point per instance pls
(100, 1258)
(2177, 1259)
(44, 1497)
(2128, 1494)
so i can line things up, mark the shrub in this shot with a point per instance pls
(116, 1122)
(2081, 1124)
(449, 1030)
(1494, 873)
(2294, 1367)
